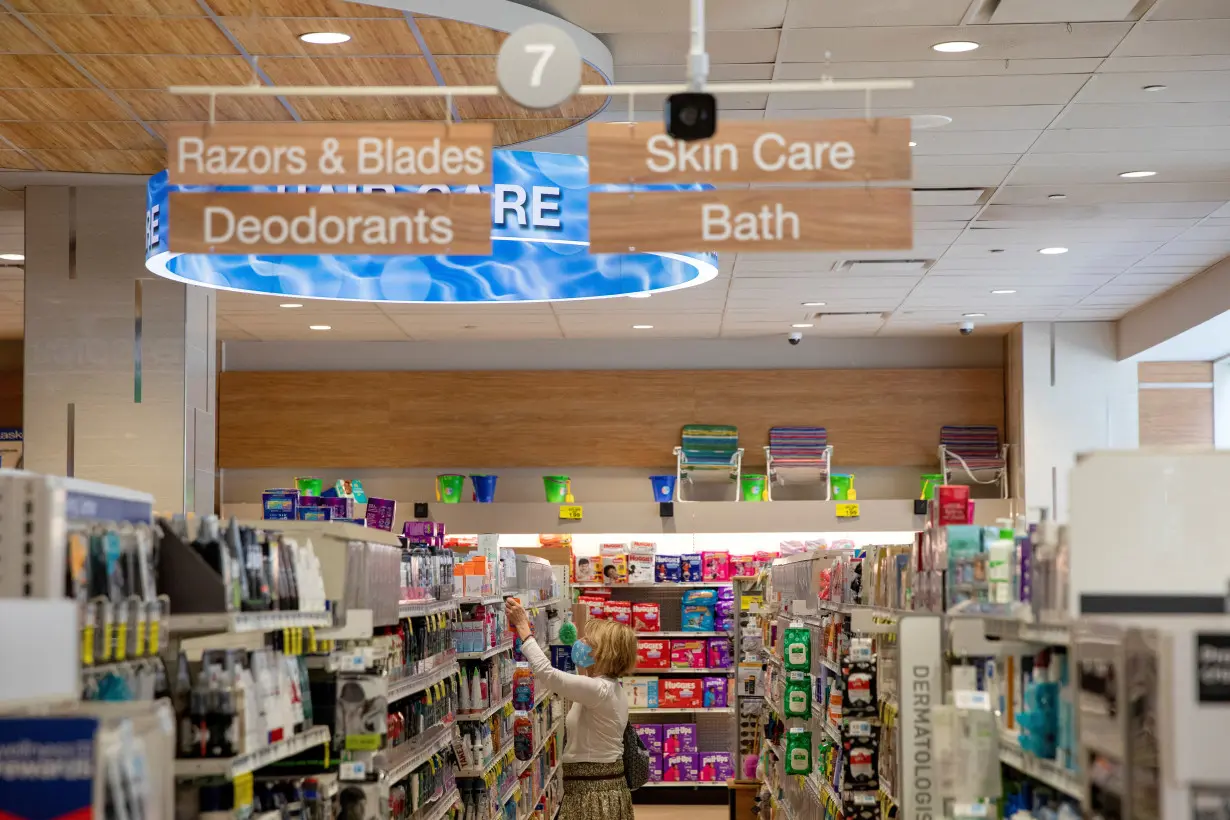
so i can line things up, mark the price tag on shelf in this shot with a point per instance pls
(354, 770)
(859, 728)
(362, 743)
(972, 699)
(243, 790)
(847, 511)
(863, 798)
(570, 512)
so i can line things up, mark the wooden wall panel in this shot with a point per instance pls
(1174, 372)
(584, 418)
(1176, 418)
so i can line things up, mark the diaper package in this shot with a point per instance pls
(646, 617)
(690, 564)
(688, 654)
(697, 614)
(641, 562)
(720, 656)
(680, 768)
(714, 692)
(668, 569)
(678, 737)
(651, 735)
(715, 566)
(652, 654)
(716, 767)
(619, 611)
(614, 563)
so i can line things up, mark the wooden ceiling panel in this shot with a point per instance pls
(279, 36)
(298, 8)
(102, 162)
(511, 132)
(139, 71)
(70, 135)
(15, 38)
(109, 34)
(142, 8)
(159, 105)
(481, 71)
(452, 37)
(11, 160)
(359, 109)
(348, 71)
(58, 104)
(40, 71)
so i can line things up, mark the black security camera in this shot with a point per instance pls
(691, 116)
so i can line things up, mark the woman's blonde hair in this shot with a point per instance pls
(614, 646)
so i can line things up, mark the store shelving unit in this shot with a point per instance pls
(481, 771)
(404, 759)
(413, 684)
(711, 710)
(480, 717)
(232, 767)
(240, 622)
(486, 653)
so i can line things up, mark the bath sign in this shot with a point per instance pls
(536, 248)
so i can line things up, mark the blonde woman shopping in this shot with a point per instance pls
(594, 785)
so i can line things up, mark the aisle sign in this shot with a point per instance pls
(854, 150)
(319, 153)
(397, 224)
(921, 687)
(847, 511)
(570, 512)
(834, 219)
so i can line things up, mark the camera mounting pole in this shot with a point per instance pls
(698, 58)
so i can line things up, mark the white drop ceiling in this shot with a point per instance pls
(1045, 107)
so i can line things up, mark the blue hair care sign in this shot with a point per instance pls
(540, 248)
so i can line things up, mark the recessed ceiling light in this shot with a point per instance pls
(973, 315)
(802, 325)
(324, 38)
(642, 327)
(913, 145)
(320, 327)
(1003, 292)
(1058, 196)
(1052, 251)
(955, 46)
(1138, 174)
(1154, 87)
(12, 257)
(929, 120)
(814, 304)
(291, 305)
(638, 295)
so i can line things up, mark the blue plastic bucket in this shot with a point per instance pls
(663, 487)
(484, 488)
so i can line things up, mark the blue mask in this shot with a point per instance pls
(582, 655)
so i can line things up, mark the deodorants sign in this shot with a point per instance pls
(533, 218)
(921, 689)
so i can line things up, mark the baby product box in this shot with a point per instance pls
(588, 570)
(953, 504)
(614, 563)
(688, 654)
(381, 513)
(668, 569)
(720, 656)
(312, 513)
(678, 737)
(619, 611)
(680, 693)
(715, 566)
(714, 692)
(279, 505)
(653, 654)
(680, 768)
(646, 617)
(716, 766)
(641, 563)
(642, 693)
(655, 768)
(691, 567)
(651, 735)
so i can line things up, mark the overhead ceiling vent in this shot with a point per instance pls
(949, 196)
(1006, 12)
(852, 321)
(882, 267)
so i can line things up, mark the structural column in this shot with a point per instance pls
(1067, 394)
(120, 376)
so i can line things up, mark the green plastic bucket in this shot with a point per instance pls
(841, 484)
(927, 482)
(752, 486)
(449, 487)
(309, 486)
(556, 487)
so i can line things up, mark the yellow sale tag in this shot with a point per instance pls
(142, 628)
(362, 743)
(570, 512)
(847, 511)
(87, 645)
(243, 790)
(121, 640)
(155, 627)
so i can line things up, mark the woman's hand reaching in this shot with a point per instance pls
(517, 619)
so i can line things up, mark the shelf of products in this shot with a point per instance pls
(237, 622)
(662, 585)
(486, 653)
(713, 710)
(419, 609)
(484, 715)
(1049, 772)
(414, 684)
(232, 767)
(402, 761)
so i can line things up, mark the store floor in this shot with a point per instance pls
(672, 812)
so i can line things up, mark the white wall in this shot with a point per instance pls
(1077, 397)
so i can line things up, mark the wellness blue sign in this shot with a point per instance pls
(540, 248)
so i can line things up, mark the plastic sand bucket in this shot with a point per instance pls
(927, 482)
(449, 487)
(556, 487)
(753, 487)
(663, 487)
(484, 488)
(841, 484)
(310, 486)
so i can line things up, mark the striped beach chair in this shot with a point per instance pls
(974, 454)
(799, 455)
(707, 452)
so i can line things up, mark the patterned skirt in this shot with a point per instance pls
(595, 790)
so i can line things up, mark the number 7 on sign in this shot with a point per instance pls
(544, 50)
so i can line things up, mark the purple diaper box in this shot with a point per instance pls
(681, 768)
(651, 735)
(719, 653)
(279, 505)
(716, 766)
(714, 692)
(678, 737)
(380, 513)
(689, 564)
(655, 768)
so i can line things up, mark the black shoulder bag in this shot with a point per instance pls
(636, 759)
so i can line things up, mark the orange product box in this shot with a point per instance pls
(651, 654)
(680, 693)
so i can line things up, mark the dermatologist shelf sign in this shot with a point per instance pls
(539, 246)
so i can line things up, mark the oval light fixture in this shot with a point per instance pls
(291, 305)
(922, 121)
(1003, 292)
(13, 257)
(973, 315)
(802, 325)
(1137, 174)
(913, 144)
(320, 327)
(642, 327)
(1052, 251)
(1058, 196)
(325, 38)
(638, 295)
(814, 304)
(955, 46)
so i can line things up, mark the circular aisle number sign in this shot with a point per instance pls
(539, 66)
